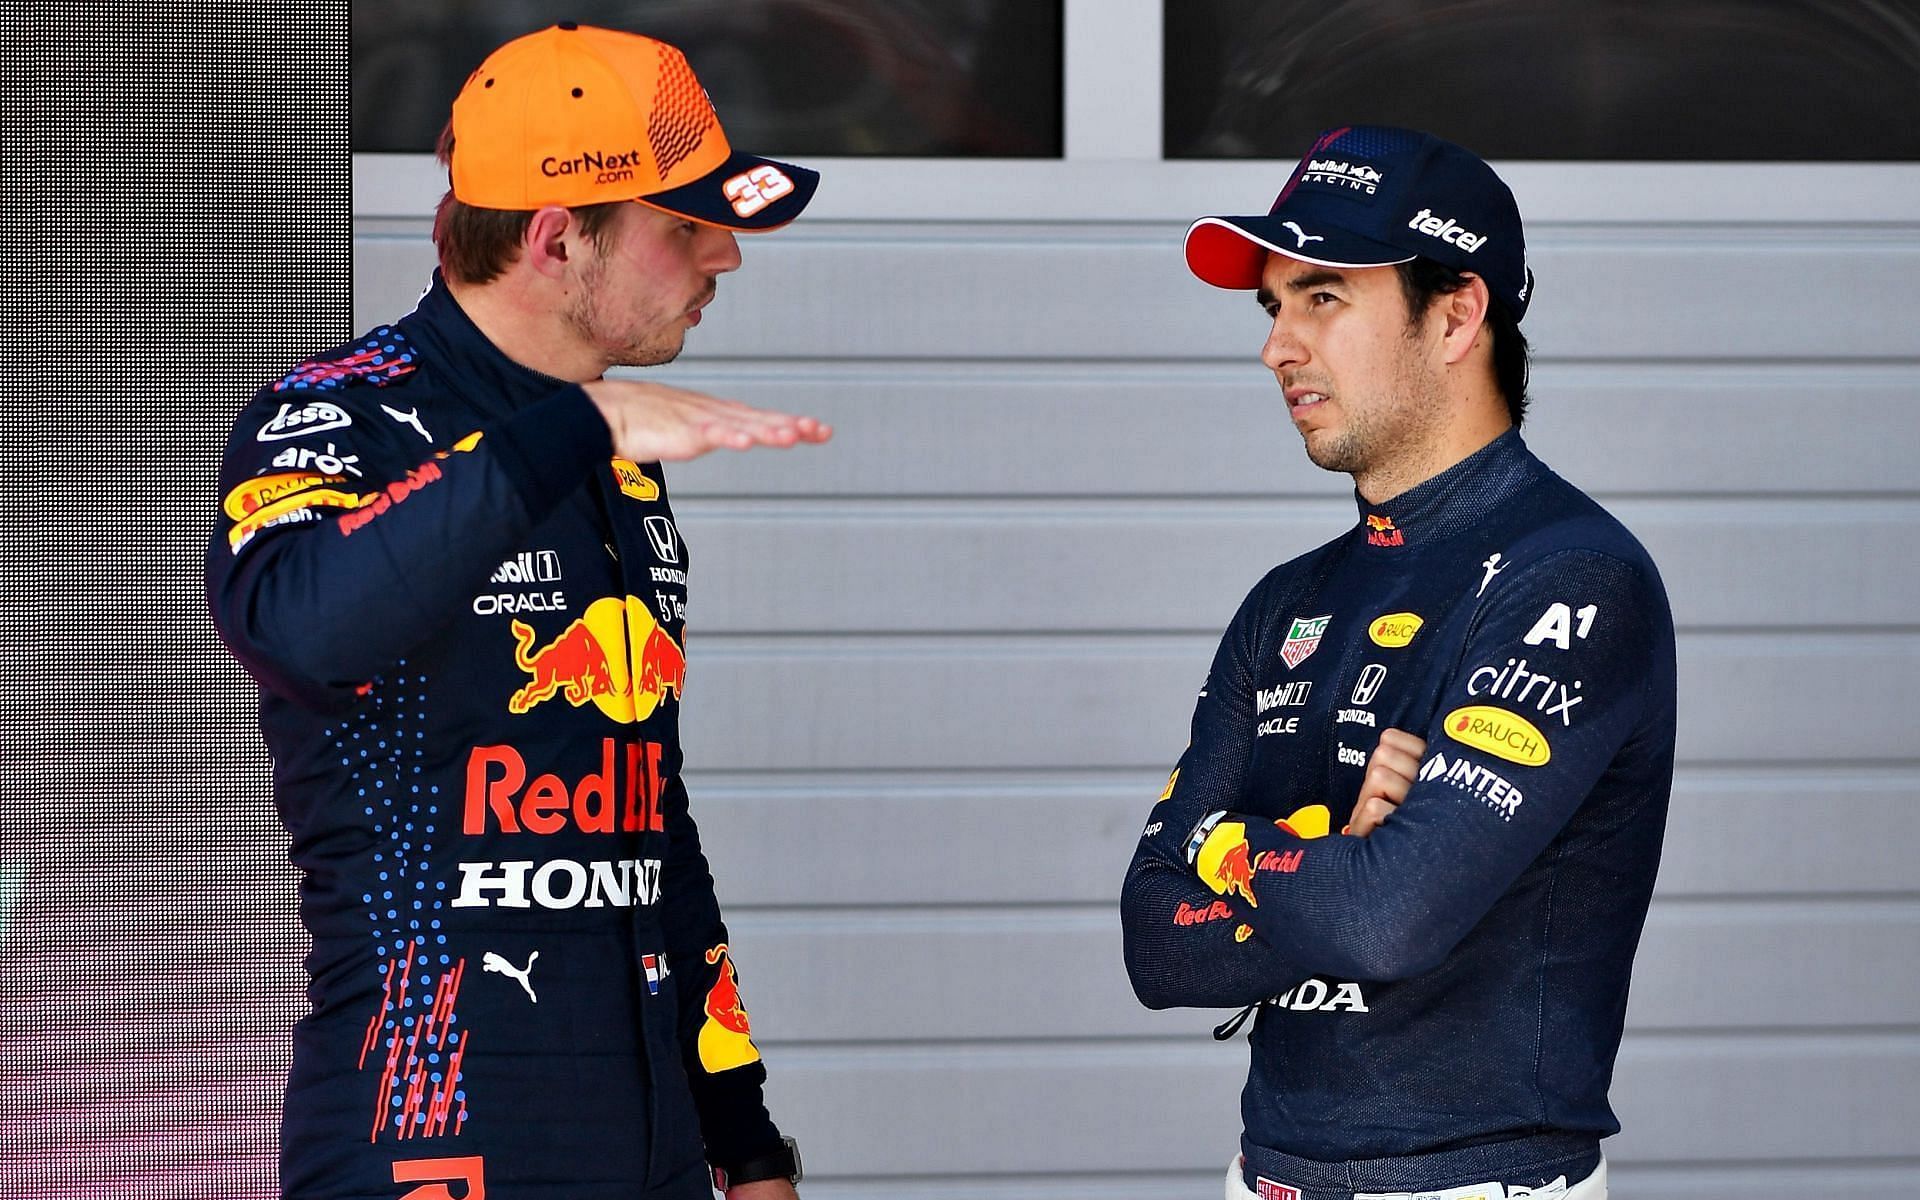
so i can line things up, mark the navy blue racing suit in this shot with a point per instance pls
(1439, 1003)
(466, 619)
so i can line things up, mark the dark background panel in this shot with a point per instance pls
(965, 78)
(1663, 80)
(179, 217)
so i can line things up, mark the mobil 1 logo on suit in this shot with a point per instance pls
(526, 583)
(1277, 704)
(1282, 697)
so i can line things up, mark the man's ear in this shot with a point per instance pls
(549, 242)
(1464, 311)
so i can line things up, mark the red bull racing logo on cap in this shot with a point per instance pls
(1348, 174)
(1300, 172)
(616, 655)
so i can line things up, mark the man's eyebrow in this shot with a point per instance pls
(1303, 283)
(1314, 279)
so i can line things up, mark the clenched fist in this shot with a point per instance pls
(1390, 772)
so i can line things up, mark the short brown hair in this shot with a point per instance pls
(477, 244)
(1422, 279)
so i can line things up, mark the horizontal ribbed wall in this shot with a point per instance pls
(940, 667)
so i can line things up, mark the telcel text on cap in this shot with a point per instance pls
(1373, 196)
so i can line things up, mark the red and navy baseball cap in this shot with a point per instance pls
(1374, 196)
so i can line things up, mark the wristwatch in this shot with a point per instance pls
(781, 1163)
(1197, 837)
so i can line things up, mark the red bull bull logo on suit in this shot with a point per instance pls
(616, 655)
(1223, 862)
(725, 1038)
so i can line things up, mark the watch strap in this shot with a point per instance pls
(782, 1162)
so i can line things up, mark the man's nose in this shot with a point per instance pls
(720, 251)
(1282, 348)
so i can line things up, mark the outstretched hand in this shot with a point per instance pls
(653, 422)
(1391, 769)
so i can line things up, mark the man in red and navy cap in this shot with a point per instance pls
(1417, 825)
(446, 554)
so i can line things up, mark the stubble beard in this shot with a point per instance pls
(1344, 451)
(1386, 434)
(583, 317)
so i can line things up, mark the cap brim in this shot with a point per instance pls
(746, 192)
(1231, 252)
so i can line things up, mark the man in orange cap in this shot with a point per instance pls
(446, 554)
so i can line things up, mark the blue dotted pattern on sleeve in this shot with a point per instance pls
(382, 746)
(377, 360)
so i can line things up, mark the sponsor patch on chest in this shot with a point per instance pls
(1303, 638)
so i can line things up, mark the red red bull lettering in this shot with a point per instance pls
(497, 785)
(394, 493)
(1284, 861)
(1380, 532)
(1187, 914)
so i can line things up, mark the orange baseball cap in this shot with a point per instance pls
(576, 115)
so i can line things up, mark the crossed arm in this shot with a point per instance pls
(1224, 909)
(1208, 957)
